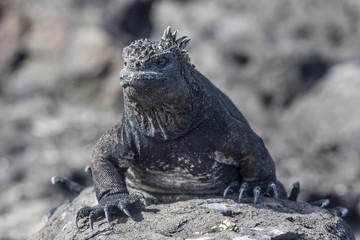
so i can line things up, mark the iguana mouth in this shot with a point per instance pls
(139, 79)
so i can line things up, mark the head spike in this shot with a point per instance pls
(168, 30)
(173, 36)
(142, 50)
(164, 35)
(183, 44)
(167, 33)
(178, 41)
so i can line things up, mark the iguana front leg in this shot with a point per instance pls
(246, 150)
(111, 158)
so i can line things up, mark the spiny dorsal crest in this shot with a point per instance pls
(139, 51)
(181, 42)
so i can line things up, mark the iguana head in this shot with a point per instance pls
(161, 94)
(152, 69)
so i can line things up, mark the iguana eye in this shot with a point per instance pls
(161, 62)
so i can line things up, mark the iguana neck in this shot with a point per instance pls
(172, 120)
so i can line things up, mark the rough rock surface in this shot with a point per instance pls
(201, 218)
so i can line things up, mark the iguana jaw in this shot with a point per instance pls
(140, 79)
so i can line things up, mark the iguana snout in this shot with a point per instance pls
(139, 79)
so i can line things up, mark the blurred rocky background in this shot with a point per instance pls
(292, 67)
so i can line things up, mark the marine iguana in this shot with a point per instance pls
(178, 134)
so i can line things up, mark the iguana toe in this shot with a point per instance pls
(341, 211)
(321, 203)
(83, 212)
(295, 191)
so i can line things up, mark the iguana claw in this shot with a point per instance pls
(121, 201)
(243, 189)
(257, 190)
(230, 187)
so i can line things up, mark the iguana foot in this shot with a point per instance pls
(253, 189)
(121, 201)
(295, 191)
(72, 188)
(67, 183)
(338, 211)
(323, 203)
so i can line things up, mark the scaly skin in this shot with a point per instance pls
(178, 134)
